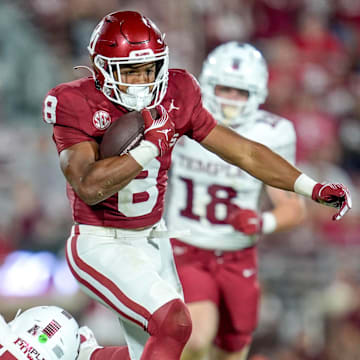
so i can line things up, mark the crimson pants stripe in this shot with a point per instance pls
(107, 283)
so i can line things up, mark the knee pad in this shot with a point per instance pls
(171, 320)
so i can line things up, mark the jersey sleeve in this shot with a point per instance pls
(61, 108)
(285, 145)
(202, 122)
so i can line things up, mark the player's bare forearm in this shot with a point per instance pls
(106, 177)
(92, 179)
(255, 158)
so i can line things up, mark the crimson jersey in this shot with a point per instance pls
(5, 354)
(79, 112)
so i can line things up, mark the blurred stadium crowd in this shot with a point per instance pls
(311, 276)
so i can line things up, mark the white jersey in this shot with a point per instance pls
(202, 186)
(13, 347)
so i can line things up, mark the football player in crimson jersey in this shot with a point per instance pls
(219, 204)
(119, 248)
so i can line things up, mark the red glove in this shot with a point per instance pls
(246, 221)
(334, 195)
(158, 131)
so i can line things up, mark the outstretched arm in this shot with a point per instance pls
(254, 158)
(262, 163)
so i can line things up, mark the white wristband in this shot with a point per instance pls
(269, 222)
(144, 152)
(304, 185)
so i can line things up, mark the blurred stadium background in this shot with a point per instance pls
(311, 276)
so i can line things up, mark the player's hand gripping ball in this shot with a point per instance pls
(159, 130)
(123, 134)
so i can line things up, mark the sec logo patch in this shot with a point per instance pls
(101, 120)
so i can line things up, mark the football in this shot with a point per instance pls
(123, 134)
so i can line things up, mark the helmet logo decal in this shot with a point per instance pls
(33, 331)
(94, 38)
(43, 338)
(68, 315)
(236, 64)
(145, 52)
(101, 119)
(52, 328)
(58, 351)
(172, 106)
(28, 350)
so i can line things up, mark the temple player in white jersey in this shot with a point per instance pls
(219, 204)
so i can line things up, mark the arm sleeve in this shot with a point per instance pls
(65, 136)
(63, 109)
(286, 145)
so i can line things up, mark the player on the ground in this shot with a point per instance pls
(220, 205)
(119, 249)
(40, 333)
(51, 333)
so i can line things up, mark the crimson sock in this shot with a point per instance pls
(111, 353)
(169, 328)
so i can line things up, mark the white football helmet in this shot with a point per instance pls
(235, 65)
(51, 331)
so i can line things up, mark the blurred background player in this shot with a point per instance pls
(39, 333)
(51, 333)
(119, 249)
(220, 205)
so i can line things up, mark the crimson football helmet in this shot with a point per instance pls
(50, 331)
(235, 65)
(124, 38)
